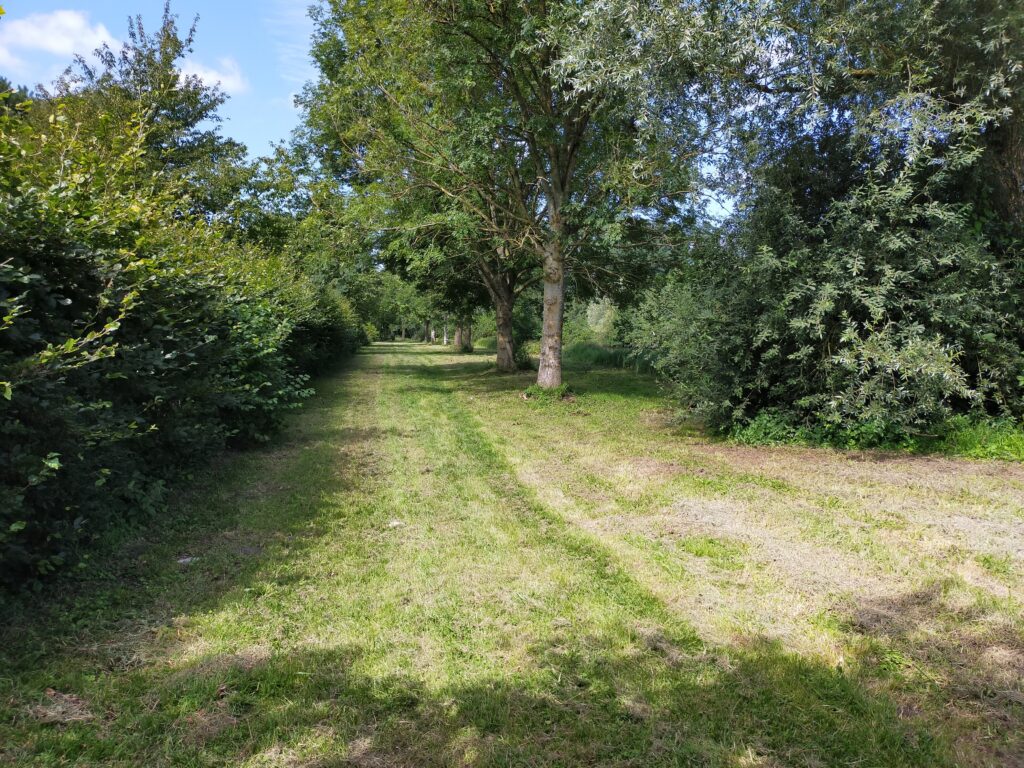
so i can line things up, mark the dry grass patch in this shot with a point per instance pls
(62, 709)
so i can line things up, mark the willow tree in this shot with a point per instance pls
(466, 98)
(869, 280)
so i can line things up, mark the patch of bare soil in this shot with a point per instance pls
(810, 568)
(654, 640)
(244, 660)
(779, 583)
(987, 487)
(648, 468)
(913, 507)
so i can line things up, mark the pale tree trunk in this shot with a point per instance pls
(445, 342)
(549, 372)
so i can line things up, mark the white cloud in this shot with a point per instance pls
(227, 73)
(59, 33)
(291, 30)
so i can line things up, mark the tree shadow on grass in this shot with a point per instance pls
(967, 662)
(642, 705)
(244, 516)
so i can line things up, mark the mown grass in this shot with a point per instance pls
(430, 570)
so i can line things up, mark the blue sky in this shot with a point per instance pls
(257, 50)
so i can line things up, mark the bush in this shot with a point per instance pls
(980, 439)
(593, 355)
(486, 343)
(134, 340)
(868, 335)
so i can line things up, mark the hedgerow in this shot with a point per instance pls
(134, 338)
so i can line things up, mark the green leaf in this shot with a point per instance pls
(17, 526)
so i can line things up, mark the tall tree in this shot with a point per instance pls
(464, 98)
(870, 274)
(144, 77)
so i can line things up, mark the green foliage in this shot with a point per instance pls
(135, 337)
(485, 343)
(860, 294)
(591, 355)
(144, 77)
(980, 438)
(13, 100)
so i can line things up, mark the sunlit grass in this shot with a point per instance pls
(430, 570)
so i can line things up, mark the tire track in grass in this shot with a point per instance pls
(818, 569)
(415, 603)
(590, 613)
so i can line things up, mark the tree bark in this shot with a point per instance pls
(506, 360)
(457, 343)
(426, 332)
(549, 372)
(501, 287)
(467, 337)
(445, 342)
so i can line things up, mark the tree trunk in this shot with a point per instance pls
(457, 343)
(445, 342)
(426, 332)
(501, 287)
(467, 337)
(549, 372)
(506, 344)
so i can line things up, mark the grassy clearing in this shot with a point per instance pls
(431, 570)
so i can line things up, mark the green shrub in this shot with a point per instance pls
(854, 338)
(980, 438)
(768, 428)
(486, 343)
(134, 340)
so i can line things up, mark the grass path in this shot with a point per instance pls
(429, 570)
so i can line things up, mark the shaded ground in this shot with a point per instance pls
(431, 571)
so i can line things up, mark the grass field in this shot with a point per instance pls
(430, 570)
